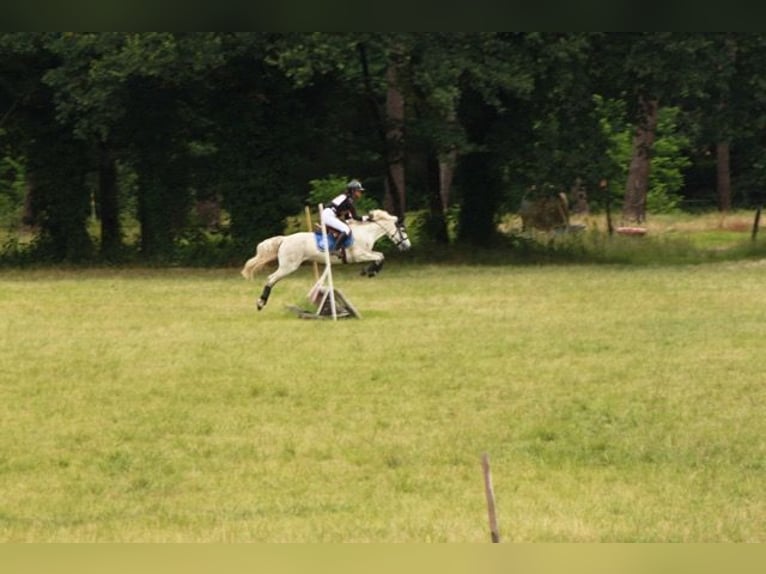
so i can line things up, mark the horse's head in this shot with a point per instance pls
(395, 230)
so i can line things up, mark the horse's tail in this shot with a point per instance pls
(265, 253)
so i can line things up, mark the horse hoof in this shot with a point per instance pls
(260, 304)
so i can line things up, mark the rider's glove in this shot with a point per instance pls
(365, 218)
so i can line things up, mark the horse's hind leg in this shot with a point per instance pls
(264, 298)
(272, 280)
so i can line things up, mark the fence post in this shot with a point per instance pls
(489, 491)
(756, 222)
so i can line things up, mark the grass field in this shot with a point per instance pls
(616, 404)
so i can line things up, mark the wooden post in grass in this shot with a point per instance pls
(756, 223)
(604, 185)
(489, 491)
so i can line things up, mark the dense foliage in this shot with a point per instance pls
(149, 145)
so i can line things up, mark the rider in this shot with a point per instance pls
(340, 210)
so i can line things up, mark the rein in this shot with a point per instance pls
(397, 236)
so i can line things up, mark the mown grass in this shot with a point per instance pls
(616, 404)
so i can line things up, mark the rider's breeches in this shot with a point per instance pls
(331, 220)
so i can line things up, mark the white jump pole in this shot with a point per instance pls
(327, 270)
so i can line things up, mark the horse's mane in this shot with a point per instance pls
(375, 215)
(381, 214)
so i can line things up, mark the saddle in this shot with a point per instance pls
(331, 239)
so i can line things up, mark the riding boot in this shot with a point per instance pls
(339, 241)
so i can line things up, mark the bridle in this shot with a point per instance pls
(399, 236)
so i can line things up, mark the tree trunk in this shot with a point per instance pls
(723, 175)
(446, 173)
(155, 216)
(436, 224)
(395, 190)
(634, 208)
(482, 173)
(60, 200)
(390, 128)
(441, 170)
(111, 236)
(29, 213)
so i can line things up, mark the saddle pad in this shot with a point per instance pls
(331, 240)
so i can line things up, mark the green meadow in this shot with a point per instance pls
(616, 404)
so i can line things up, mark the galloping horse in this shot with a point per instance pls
(294, 249)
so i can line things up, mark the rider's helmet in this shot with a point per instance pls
(354, 185)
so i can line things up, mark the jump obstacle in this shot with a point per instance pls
(330, 302)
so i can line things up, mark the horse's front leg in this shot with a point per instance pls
(377, 264)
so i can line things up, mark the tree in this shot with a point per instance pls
(731, 111)
(466, 122)
(58, 199)
(107, 86)
(530, 116)
(649, 70)
(372, 65)
(437, 63)
(263, 162)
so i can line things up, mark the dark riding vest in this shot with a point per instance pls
(344, 208)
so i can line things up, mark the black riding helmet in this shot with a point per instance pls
(354, 185)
